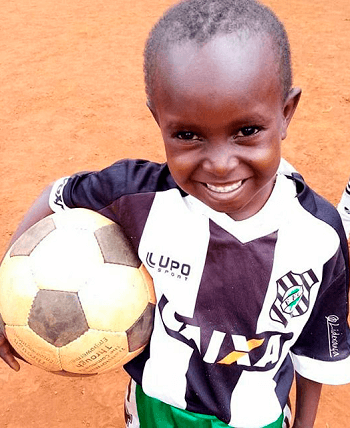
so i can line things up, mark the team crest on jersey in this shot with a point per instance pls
(293, 295)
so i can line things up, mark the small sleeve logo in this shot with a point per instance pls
(56, 201)
(333, 333)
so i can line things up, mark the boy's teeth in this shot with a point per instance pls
(224, 189)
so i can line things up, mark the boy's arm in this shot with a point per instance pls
(39, 210)
(308, 395)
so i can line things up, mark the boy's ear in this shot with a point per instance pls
(152, 109)
(289, 108)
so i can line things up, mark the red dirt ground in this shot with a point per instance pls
(71, 98)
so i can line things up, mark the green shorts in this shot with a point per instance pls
(142, 411)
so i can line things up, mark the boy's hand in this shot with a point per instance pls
(7, 353)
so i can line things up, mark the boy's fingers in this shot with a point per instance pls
(6, 354)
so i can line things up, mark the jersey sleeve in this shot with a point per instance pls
(322, 351)
(99, 190)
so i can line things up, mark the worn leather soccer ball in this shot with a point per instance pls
(74, 297)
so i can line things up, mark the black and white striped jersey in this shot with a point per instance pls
(240, 304)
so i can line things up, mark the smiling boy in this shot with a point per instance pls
(222, 115)
(250, 266)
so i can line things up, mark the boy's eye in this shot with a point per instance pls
(247, 131)
(186, 135)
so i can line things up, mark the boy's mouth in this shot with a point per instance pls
(226, 188)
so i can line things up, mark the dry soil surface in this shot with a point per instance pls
(71, 98)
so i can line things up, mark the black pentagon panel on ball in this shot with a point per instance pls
(116, 247)
(139, 333)
(57, 317)
(27, 242)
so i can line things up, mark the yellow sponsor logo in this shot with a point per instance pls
(234, 356)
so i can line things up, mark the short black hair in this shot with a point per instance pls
(199, 21)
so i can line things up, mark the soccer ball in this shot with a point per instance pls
(74, 297)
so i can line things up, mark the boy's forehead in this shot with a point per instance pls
(224, 61)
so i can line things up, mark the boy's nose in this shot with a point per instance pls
(221, 161)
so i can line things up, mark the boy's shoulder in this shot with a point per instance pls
(325, 222)
(97, 189)
(309, 199)
(138, 174)
(315, 204)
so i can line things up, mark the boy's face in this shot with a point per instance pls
(222, 118)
